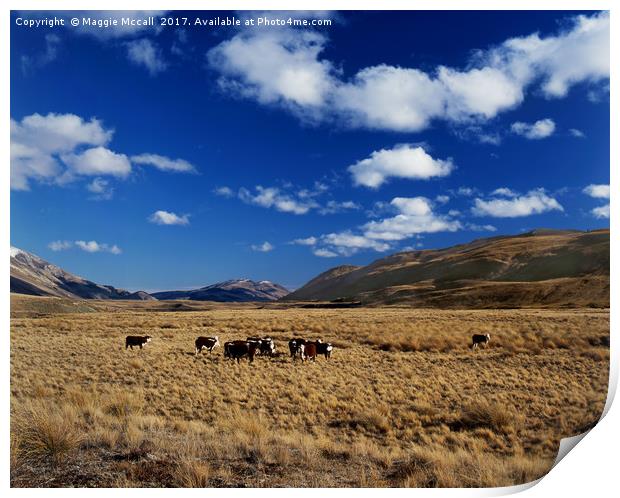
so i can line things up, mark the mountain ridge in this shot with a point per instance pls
(556, 266)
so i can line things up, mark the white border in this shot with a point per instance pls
(590, 470)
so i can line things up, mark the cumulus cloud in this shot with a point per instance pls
(412, 217)
(601, 191)
(415, 216)
(264, 247)
(288, 199)
(94, 246)
(268, 197)
(402, 161)
(164, 163)
(601, 211)
(60, 245)
(577, 133)
(534, 202)
(224, 192)
(332, 207)
(504, 192)
(324, 253)
(308, 241)
(287, 68)
(31, 62)
(61, 148)
(145, 53)
(275, 66)
(534, 131)
(101, 189)
(481, 228)
(96, 161)
(168, 218)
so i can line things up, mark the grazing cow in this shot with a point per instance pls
(264, 345)
(236, 350)
(208, 343)
(324, 348)
(136, 340)
(309, 351)
(296, 347)
(478, 339)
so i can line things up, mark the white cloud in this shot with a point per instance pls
(403, 161)
(37, 141)
(534, 131)
(145, 53)
(274, 66)
(268, 197)
(164, 163)
(101, 188)
(264, 247)
(308, 241)
(481, 228)
(504, 192)
(60, 245)
(94, 246)
(224, 192)
(534, 202)
(332, 207)
(601, 211)
(96, 161)
(465, 191)
(324, 253)
(61, 148)
(347, 243)
(415, 216)
(577, 133)
(30, 62)
(168, 218)
(442, 199)
(285, 67)
(601, 191)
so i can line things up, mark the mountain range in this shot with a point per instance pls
(542, 268)
(32, 275)
(538, 268)
(240, 290)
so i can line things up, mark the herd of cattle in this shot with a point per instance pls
(251, 347)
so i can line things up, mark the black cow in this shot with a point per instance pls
(324, 348)
(296, 347)
(236, 350)
(478, 339)
(136, 340)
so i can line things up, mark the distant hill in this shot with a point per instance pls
(241, 290)
(539, 268)
(35, 276)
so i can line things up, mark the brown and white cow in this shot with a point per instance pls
(478, 339)
(236, 350)
(208, 343)
(309, 351)
(136, 340)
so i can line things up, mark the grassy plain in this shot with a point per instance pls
(402, 402)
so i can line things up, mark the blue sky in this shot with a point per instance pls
(173, 157)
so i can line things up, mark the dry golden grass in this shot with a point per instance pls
(402, 402)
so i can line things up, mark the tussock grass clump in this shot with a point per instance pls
(484, 414)
(43, 431)
(192, 474)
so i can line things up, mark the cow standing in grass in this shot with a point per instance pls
(236, 350)
(478, 339)
(137, 340)
(208, 343)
